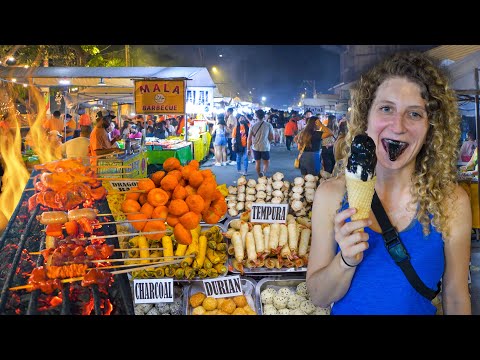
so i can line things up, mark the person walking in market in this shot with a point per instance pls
(290, 131)
(231, 122)
(239, 139)
(259, 138)
(70, 126)
(220, 143)
(328, 158)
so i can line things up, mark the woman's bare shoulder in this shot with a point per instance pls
(331, 191)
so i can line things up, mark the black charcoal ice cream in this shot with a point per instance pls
(362, 159)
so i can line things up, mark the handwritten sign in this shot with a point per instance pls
(269, 213)
(223, 286)
(160, 96)
(151, 291)
(122, 185)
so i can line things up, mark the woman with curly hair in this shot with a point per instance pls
(405, 100)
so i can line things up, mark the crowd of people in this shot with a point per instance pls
(242, 139)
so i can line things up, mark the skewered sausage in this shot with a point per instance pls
(53, 217)
(79, 213)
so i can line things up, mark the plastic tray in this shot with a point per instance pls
(248, 287)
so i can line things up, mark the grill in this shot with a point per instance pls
(22, 236)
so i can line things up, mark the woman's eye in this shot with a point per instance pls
(385, 109)
(416, 115)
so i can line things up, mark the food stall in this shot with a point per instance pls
(159, 150)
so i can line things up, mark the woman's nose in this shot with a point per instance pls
(399, 122)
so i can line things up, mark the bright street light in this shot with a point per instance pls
(264, 98)
(214, 69)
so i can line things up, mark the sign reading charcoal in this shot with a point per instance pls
(122, 185)
(269, 213)
(150, 291)
(223, 286)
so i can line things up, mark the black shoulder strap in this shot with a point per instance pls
(397, 250)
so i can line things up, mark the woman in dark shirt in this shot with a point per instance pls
(310, 139)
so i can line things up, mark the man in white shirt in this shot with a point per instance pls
(303, 121)
(259, 138)
(77, 147)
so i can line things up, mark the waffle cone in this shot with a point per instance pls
(360, 195)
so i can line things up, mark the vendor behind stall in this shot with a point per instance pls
(99, 142)
(70, 126)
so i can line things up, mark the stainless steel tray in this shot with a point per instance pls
(264, 270)
(261, 270)
(179, 291)
(248, 287)
(275, 282)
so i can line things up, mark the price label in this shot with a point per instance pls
(223, 286)
(269, 213)
(122, 185)
(150, 291)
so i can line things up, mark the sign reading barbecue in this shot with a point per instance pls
(150, 291)
(223, 287)
(269, 213)
(160, 96)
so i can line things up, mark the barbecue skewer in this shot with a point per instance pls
(70, 280)
(130, 234)
(115, 250)
(158, 258)
(121, 222)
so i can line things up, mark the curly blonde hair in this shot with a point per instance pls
(434, 178)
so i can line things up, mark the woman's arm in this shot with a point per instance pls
(455, 294)
(328, 277)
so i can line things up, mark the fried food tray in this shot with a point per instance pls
(248, 287)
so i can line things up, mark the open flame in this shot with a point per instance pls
(16, 174)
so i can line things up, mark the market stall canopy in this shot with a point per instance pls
(115, 83)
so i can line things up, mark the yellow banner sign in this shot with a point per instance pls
(160, 96)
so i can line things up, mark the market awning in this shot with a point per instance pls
(105, 77)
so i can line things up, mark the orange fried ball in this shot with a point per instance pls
(240, 301)
(137, 225)
(177, 207)
(133, 195)
(182, 235)
(195, 179)
(171, 164)
(210, 217)
(160, 212)
(206, 189)
(169, 182)
(147, 209)
(190, 220)
(187, 171)
(210, 303)
(172, 220)
(155, 225)
(179, 192)
(219, 207)
(176, 173)
(228, 306)
(195, 203)
(146, 184)
(190, 190)
(143, 198)
(157, 177)
(195, 164)
(157, 197)
(129, 206)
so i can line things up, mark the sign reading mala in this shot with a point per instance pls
(160, 96)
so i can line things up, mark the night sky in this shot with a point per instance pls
(274, 71)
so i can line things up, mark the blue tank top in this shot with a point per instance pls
(379, 287)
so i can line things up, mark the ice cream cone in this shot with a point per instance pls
(360, 195)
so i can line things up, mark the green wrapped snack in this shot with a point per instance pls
(212, 273)
(160, 272)
(179, 273)
(169, 271)
(189, 272)
(221, 247)
(207, 264)
(202, 273)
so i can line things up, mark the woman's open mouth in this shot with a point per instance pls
(394, 148)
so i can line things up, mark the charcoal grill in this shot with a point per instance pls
(23, 235)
